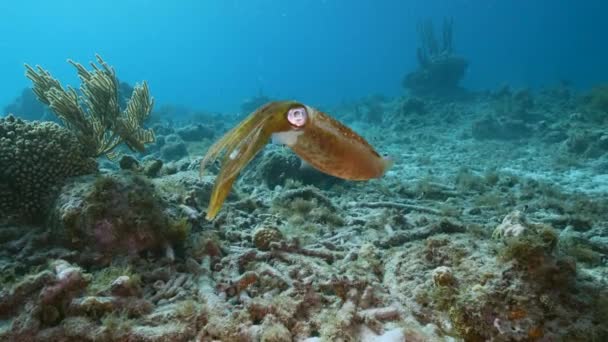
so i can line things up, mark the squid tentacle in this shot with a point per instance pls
(239, 145)
(233, 137)
(234, 161)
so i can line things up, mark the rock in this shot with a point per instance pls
(128, 162)
(157, 144)
(120, 213)
(578, 143)
(555, 136)
(505, 129)
(173, 149)
(274, 331)
(588, 144)
(513, 225)
(265, 235)
(162, 129)
(276, 166)
(443, 276)
(195, 132)
(413, 105)
(152, 167)
(125, 286)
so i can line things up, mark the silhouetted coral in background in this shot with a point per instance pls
(26, 106)
(440, 70)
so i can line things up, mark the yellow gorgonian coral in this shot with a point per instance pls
(94, 114)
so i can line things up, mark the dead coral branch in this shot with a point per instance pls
(95, 115)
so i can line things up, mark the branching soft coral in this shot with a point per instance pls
(95, 115)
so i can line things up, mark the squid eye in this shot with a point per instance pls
(297, 117)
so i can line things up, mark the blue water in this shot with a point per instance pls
(213, 54)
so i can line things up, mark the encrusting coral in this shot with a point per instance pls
(95, 115)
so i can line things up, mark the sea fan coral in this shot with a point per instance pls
(95, 116)
(440, 70)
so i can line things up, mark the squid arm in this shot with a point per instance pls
(240, 145)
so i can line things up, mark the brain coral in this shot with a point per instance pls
(35, 159)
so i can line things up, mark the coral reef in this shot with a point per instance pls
(26, 106)
(196, 132)
(35, 159)
(173, 148)
(440, 70)
(95, 115)
(467, 238)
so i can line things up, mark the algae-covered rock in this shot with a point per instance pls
(491, 128)
(443, 276)
(128, 162)
(512, 225)
(412, 105)
(196, 132)
(265, 235)
(276, 166)
(174, 148)
(120, 213)
(152, 167)
(274, 331)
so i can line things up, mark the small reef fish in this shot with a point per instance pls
(318, 139)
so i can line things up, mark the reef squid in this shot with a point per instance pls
(317, 138)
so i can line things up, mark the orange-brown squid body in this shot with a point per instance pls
(318, 139)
